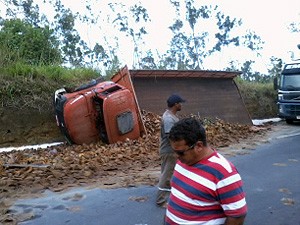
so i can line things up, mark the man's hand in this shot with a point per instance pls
(235, 220)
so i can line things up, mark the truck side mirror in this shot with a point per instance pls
(275, 84)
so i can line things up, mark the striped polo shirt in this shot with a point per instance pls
(206, 192)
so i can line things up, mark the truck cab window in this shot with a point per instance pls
(290, 82)
(125, 122)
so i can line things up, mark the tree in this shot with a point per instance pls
(34, 45)
(276, 67)
(295, 28)
(248, 74)
(192, 41)
(71, 44)
(132, 23)
(148, 62)
(198, 32)
(62, 28)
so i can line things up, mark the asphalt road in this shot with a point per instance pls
(271, 177)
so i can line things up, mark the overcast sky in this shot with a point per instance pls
(269, 19)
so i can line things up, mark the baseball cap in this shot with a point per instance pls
(173, 99)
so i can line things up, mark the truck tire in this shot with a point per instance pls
(289, 121)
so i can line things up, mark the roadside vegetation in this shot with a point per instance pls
(43, 51)
(32, 88)
(260, 98)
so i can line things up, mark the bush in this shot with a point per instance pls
(259, 98)
(34, 45)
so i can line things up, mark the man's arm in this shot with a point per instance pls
(235, 220)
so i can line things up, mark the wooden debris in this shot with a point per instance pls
(125, 163)
(7, 165)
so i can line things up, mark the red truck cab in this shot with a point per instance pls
(99, 111)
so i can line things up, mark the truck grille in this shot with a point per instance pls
(292, 109)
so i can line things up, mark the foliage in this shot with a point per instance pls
(33, 48)
(25, 86)
(295, 27)
(72, 49)
(56, 73)
(33, 45)
(148, 61)
(248, 74)
(72, 45)
(131, 23)
(26, 93)
(198, 31)
(276, 66)
(7, 56)
(29, 37)
(210, 31)
(32, 87)
(259, 98)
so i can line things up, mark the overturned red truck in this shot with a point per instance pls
(105, 111)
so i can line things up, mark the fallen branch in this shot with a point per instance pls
(26, 165)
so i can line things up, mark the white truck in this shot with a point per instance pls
(288, 98)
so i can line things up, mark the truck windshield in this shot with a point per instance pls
(290, 82)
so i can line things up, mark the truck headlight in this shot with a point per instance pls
(281, 109)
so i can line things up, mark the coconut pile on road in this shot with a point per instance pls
(124, 164)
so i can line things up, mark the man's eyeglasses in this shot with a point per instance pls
(181, 152)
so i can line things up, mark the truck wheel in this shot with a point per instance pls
(289, 121)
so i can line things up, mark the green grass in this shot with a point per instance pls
(32, 87)
(259, 98)
(55, 72)
(23, 86)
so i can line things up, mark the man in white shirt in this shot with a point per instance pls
(167, 156)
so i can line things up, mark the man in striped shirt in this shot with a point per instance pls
(206, 189)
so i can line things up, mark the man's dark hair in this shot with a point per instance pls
(188, 129)
(173, 99)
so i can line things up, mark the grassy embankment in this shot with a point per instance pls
(31, 87)
(260, 98)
